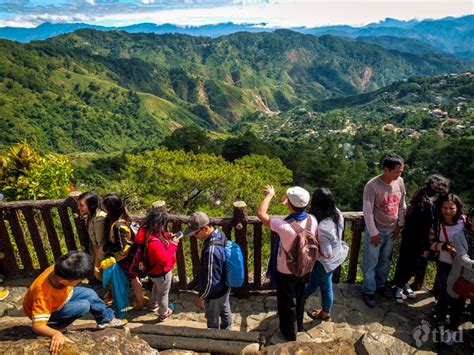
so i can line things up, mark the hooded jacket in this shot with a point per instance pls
(160, 256)
(212, 273)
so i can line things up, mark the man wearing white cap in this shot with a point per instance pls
(290, 288)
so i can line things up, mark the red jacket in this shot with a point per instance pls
(161, 257)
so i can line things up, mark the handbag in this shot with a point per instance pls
(464, 288)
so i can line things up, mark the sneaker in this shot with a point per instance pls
(164, 317)
(398, 295)
(4, 294)
(154, 307)
(409, 292)
(369, 300)
(114, 323)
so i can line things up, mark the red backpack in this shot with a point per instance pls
(301, 258)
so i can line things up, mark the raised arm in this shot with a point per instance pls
(263, 208)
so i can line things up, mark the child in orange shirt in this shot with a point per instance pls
(54, 300)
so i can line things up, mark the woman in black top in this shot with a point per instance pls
(415, 243)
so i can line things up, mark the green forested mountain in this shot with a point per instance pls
(103, 91)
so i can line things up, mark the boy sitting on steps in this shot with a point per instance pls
(54, 300)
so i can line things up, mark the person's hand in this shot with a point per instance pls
(269, 190)
(395, 233)
(375, 240)
(199, 302)
(426, 253)
(57, 342)
(451, 250)
(175, 240)
(97, 269)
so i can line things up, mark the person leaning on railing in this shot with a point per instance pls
(88, 204)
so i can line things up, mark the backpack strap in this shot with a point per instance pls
(298, 229)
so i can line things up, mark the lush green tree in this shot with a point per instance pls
(190, 182)
(26, 175)
(189, 139)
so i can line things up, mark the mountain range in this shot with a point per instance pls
(104, 91)
(452, 35)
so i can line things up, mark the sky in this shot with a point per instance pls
(274, 13)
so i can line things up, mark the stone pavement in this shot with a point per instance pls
(351, 319)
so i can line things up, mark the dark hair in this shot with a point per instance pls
(469, 214)
(92, 201)
(323, 205)
(451, 198)
(75, 265)
(390, 161)
(155, 223)
(115, 209)
(296, 209)
(434, 185)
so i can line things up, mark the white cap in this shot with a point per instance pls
(298, 196)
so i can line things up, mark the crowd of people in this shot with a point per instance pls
(309, 247)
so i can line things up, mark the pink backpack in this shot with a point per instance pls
(301, 258)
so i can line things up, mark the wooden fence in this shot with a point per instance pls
(32, 230)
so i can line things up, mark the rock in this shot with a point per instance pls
(108, 341)
(258, 307)
(178, 352)
(311, 348)
(343, 333)
(382, 344)
(271, 303)
(374, 327)
(327, 327)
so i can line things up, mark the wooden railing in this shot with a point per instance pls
(32, 231)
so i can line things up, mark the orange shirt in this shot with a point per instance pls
(42, 298)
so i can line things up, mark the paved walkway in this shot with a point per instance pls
(351, 318)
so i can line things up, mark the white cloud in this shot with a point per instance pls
(285, 14)
(277, 13)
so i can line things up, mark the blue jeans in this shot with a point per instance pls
(376, 261)
(83, 301)
(218, 313)
(321, 279)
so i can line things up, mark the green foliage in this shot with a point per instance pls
(189, 139)
(189, 182)
(104, 91)
(25, 175)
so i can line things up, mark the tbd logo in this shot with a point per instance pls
(422, 333)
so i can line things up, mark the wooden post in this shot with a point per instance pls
(355, 249)
(67, 228)
(52, 235)
(36, 237)
(80, 224)
(20, 241)
(180, 258)
(9, 263)
(257, 255)
(159, 205)
(240, 230)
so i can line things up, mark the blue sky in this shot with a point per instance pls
(276, 13)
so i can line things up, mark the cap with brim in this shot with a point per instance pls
(196, 222)
(298, 196)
